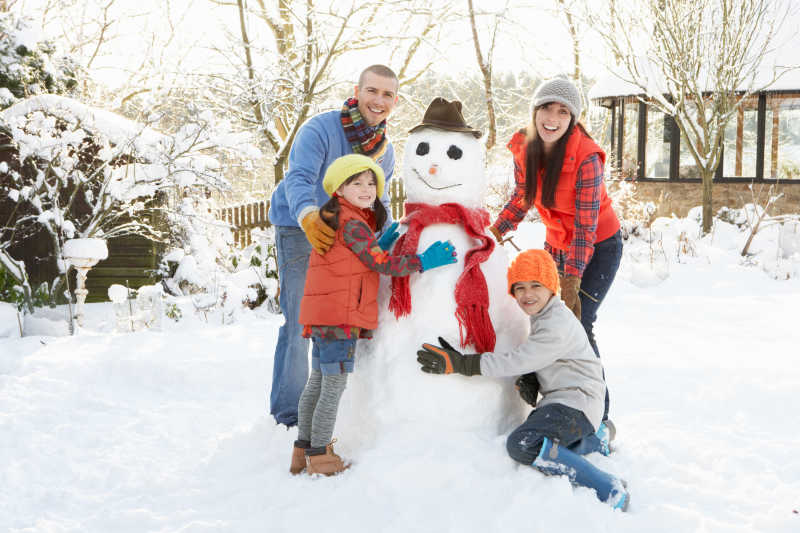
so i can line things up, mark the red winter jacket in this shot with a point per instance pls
(560, 218)
(340, 289)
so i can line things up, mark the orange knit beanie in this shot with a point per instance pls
(533, 265)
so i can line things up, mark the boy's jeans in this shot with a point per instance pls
(597, 279)
(555, 421)
(290, 367)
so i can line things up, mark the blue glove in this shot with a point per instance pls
(389, 236)
(438, 254)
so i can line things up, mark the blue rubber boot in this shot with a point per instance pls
(555, 460)
(596, 442)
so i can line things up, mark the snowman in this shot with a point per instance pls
(466, 303)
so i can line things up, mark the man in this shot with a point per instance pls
(359, 127)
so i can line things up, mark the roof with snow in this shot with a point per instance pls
(615, 83)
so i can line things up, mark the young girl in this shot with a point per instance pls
(567, 422)
(559, 169)
(339, 302)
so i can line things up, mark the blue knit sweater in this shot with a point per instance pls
(318, 143)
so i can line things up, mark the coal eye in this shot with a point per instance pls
(454, 152)
(423, 148)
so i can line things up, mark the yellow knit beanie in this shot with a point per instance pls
(350, 165)
(533, 265)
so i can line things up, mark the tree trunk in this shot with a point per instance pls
(486, 73)
(708, 214)
(576, 55)
(278, 169)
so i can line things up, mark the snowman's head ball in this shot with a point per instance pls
(442, 166)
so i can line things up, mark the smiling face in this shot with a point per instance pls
(377, 96)
(442, 166)
(531, 296)
(360, 190)
(552, 121)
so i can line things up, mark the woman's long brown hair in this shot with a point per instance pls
(536, 161)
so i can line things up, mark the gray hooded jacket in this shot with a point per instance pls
(558, 350)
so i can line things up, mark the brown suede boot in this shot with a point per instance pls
(299, 456)
(327, 463)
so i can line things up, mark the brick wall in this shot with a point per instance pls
(679, 197)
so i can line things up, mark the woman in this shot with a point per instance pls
(559, 169)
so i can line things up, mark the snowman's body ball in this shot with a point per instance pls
(442, 167)
(389, 392)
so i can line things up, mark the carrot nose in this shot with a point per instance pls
(433, 170)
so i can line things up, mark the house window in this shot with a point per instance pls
(657, 144)
(782, 138)
(740, 142)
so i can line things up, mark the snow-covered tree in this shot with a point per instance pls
(696, 61)
(484, 56)
(30, 64)
(78, 171)
(287, 54)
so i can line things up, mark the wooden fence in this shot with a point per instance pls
(131, 260)
(244, 218)
(397, 196)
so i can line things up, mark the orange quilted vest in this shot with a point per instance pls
(340, 290)
(560, 217)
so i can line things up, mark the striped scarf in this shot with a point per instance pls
(363, 139)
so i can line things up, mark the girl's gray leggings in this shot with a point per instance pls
(318, 406)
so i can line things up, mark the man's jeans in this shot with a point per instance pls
(290, 368)
(597, 279)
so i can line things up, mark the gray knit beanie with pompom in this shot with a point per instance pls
(559, 90)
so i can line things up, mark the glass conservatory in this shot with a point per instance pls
(761, 144)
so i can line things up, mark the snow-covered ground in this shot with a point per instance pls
(168, 431)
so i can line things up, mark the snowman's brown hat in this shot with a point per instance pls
(445, 115)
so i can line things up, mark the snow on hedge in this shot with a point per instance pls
(39, 113)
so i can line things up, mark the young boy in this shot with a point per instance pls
(567, 422)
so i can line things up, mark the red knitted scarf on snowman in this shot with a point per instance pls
(471, 292)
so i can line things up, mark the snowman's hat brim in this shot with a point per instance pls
(445, 115)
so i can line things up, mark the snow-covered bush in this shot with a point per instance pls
(70, 170)
(201, 244)
(73, 171)
(137, 309)
(29, 64)
(635, 216)
(770, 242)
(256, 267)
(775, 249)
(11, 291)
(216, 274)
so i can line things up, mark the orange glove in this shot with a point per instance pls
(570, 286)
(318, 233)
